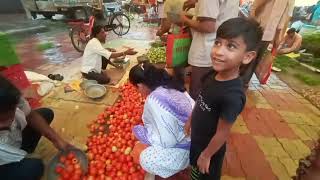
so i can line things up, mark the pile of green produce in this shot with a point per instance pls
(8, 55)
(156, 44)
(311, 42)
(157, 55)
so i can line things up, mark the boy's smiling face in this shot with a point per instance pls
(230, 54)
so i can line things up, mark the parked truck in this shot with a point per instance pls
(69, 8)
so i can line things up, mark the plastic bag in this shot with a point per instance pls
(178, 46)
(173, 6)
(45, 88)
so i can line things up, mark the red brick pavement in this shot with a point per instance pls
(267, 122)
(252, 159)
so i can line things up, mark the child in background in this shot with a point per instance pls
(222, 97)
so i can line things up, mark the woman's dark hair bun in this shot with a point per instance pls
(154, 77)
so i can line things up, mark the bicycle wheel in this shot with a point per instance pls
(120, 24)
(78, 38)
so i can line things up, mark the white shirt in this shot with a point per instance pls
(220, 10)
(92, 56)
(10, 140)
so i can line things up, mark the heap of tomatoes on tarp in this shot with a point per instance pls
(112, 139)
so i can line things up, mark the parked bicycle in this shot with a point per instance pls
(131, 9)
(80, 32)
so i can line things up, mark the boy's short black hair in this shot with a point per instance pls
(249, 29)
(9, 95)
(96, 30)
(291, 30)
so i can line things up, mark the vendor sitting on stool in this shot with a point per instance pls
(290, 43)
(96, 57)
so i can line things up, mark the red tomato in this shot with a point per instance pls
(65, 175)
(118, 166)
(62, 159)
(132, 170)
(125, 168)
(90, 178)
(78, 171)
(58, 169)
(101, 128)
(93, 171)
(122, 158)
(129, 158)
(130, 164)
(69, 168)
(101, 171)
(77, 166)
(71, 155)
(119, 173)
(113, 174)
(75, 177)
(90, 156)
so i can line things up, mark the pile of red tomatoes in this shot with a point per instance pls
(112, 140)
(70, 169)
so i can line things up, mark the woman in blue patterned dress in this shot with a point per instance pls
(167, 108)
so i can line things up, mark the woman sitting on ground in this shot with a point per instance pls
(163, 149)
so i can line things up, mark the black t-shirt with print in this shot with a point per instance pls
(224, 99)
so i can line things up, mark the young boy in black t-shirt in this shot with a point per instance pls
(222, 97)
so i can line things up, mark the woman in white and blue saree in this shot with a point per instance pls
(166, 110)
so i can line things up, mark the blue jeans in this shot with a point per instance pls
(27, 168)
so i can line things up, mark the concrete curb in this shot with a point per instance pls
(27, 30)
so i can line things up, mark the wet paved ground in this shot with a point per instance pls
(63, 54)
(275, 130)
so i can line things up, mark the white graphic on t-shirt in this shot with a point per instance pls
(202, 104)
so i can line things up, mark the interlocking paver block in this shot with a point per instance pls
(255, 122)
(315, 118)
(310, 143)
(251, 157)
(295, 148)
(298, 118)
(283, 101)
(267, 122)
(240, 129)
(300, 132)
(290, 165)
(232, 178)
(274, 100)
(264, 106)
(313, 109)
(278, 168)
(277, 124)
(303, 101)
(240, 126)
(311, 131)
(271, 147)
(232, 165)
(287, 97)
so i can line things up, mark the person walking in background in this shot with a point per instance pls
(209, 15)
(273, 16)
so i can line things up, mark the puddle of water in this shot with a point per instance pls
(54, 56)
